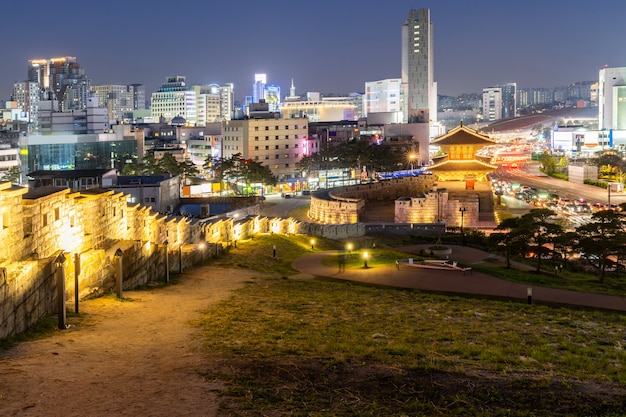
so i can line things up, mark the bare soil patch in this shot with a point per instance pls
(132, 357)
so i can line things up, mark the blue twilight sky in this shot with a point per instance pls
(330, 46)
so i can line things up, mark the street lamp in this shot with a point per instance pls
(349, 247)
(462, 210)
(412, 157)
(312, 244)
(167, 262)
(365, 256)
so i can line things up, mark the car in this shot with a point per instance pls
(583, 208)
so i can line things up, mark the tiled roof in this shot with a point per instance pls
(466, 165)
(462, 135)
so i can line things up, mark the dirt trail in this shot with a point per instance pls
(135, 357)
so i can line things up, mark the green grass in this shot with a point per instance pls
(293, 347)
(314, 348)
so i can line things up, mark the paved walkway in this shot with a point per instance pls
(453, 281)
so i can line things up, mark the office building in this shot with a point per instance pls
(384, 96)
(258, 88)
(321, 109)
(612, 98)
(499, 102)
(27, 95)
(419, 86)
(174, 99)
(61, 151)
(278, 143)
(117, 99)
(227, 100)
(62, 77)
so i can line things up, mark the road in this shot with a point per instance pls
(531, 176)
(277, 206)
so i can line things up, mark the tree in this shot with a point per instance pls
(510, 242)
(548, 162)
(537, 228)
(168, 163)
(238, 169)
(188, 171)
(150, 166)
(601, 238)
(13, 175)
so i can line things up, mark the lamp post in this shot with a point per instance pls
(312, 244)
(60, 281)
(412, 157)
(119, 283)
(462, 210)
(349, 247)
(365, 256)
(180, 259)
(167, 262)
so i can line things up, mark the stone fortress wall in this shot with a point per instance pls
(345, 204)
(89, 227)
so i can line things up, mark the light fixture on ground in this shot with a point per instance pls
(462, 210)
(312, 244)
(365, 256)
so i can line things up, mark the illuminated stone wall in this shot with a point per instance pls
(343, 205)
(89, 227)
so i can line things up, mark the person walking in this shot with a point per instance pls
(342, 261)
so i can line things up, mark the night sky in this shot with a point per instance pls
(329, 46)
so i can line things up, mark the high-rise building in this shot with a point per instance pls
(227, 101)
(272, 97)
(258, 88)
(419, 86)
(612, 98)
(139, 96)
(499, 102)
(27, 96)
(174, 99)
(64, 78)
(278, 143)
(117, 99)
(383, 96)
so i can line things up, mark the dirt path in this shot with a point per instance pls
(127, 358)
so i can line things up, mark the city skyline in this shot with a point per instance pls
(324, 47)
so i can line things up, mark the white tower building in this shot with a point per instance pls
(612, 98)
